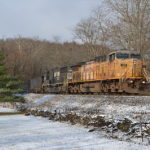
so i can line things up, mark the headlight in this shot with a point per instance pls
(131, 81)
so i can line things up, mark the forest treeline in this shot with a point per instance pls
(29, 58)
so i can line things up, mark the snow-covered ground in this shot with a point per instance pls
(43, 99)
(118, 107)
(29, 133)
(113, 108)
(7, 110)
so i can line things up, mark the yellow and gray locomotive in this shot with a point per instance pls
(117, 72)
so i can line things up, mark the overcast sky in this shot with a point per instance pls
(42, 18)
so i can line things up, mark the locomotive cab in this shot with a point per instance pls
(125, 64)
(126, 67)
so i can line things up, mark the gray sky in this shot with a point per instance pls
(42, 18)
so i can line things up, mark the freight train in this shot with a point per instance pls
(117, 72)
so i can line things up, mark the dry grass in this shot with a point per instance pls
(11, 113)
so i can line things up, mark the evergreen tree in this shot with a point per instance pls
(9, 85)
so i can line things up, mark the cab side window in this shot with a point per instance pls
(47, 75)
(111, 57)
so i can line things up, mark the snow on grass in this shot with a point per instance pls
(6, 110)
(117, 106)
(43, 99)
(31, 97)
(30, 133)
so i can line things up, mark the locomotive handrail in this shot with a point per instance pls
(124, 75)
(146, 75)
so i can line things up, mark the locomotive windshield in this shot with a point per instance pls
(137, 56)
(126, 56)
(122, 56)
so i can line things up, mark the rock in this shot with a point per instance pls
(85, 121)
(99, 121)
(27, 114)
(125, 125)
(114, 137)
(148, 131)
(92, 130)
(51, 116)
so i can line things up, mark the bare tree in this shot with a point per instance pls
(93, 31)
(120, 24)
(131, 29)
(86, 31)
(29, 58)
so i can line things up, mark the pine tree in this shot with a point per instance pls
(9, 85)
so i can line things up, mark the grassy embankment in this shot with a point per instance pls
(11, 103)
(11, 113)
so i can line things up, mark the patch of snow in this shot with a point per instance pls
(43, 99)
(3, 110)
(30, 133)
(31, 97)
(117, 107)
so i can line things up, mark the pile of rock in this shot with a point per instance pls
(122, 129)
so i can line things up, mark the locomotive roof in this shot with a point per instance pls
(100, 56)
(95, 59)
(78, 64)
